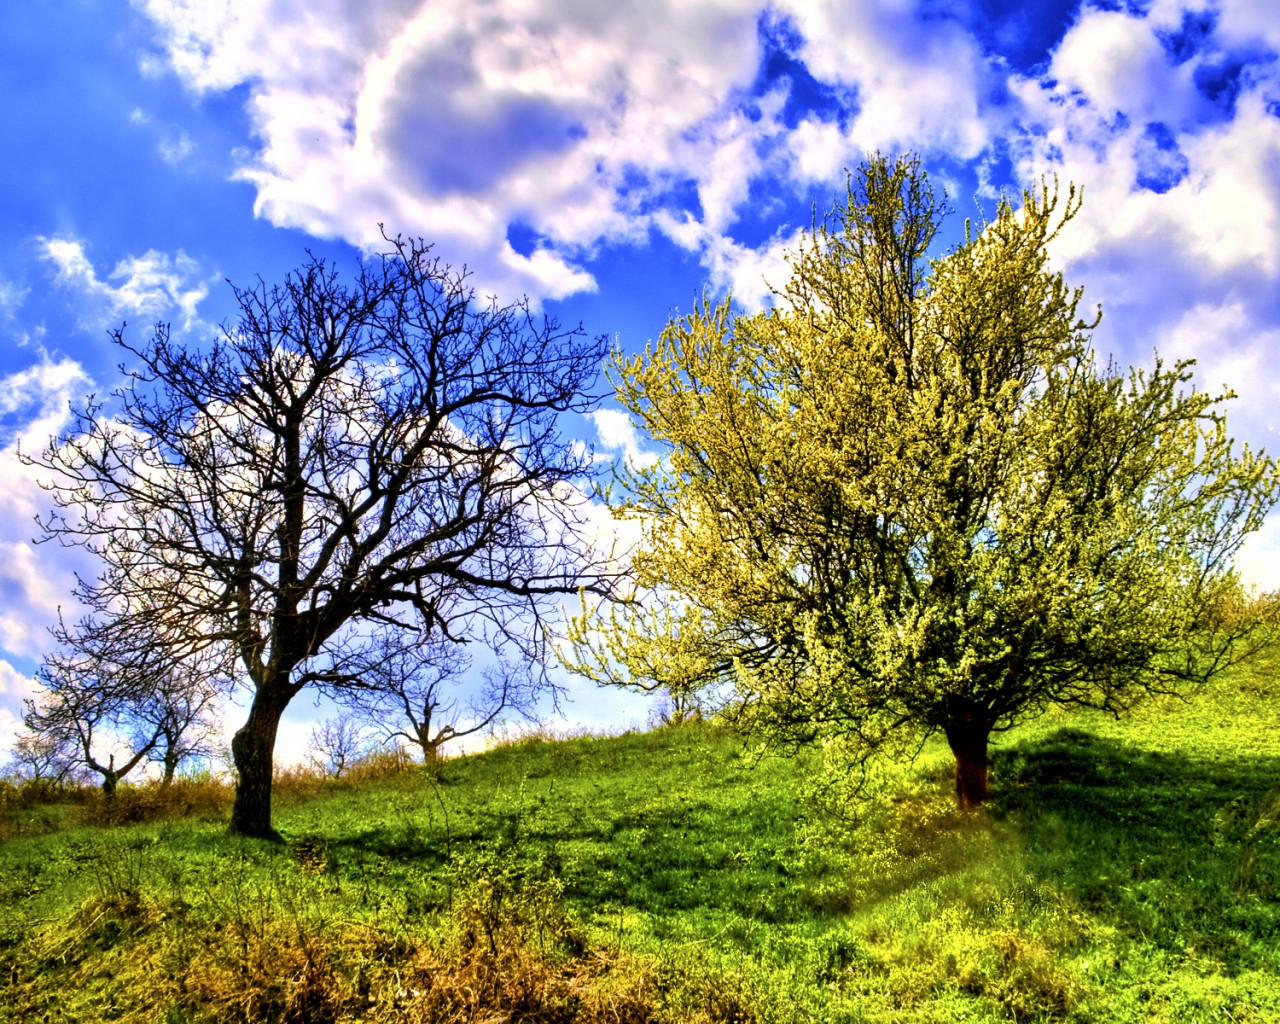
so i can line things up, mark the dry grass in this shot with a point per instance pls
(124, 955)
(202, 796)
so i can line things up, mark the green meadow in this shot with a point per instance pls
(1123, 871)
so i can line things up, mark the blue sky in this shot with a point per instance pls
(613, 162)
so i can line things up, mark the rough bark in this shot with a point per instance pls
(252, 749)
(968, 736)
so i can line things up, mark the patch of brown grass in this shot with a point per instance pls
(507, 953)
(201, 796)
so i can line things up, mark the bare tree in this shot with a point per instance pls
(112, 683)
(41, 757)
(87, 685)
(85, 722)
(183, 710)
(381, 451)
(336, 744)
(412, 691)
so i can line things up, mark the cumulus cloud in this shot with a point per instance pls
(12, 296)
(577, 124)
(34, 581)
(458, 121)
(919, 82)
(1233, 350)
(750, 274)
(1170, 118)
(1183, 195)
(10, 726)
(617, 434)
(15, 685)
(522, 137)
(154, 285)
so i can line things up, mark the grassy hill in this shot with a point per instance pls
(1124, 871)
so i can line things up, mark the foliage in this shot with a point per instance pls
(348, 456)
(908, 500)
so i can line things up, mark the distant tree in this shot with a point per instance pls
(337, 744)
(85, 724)
(413, 691)
(909, 499)
(184, 710)
(346, 455)
(112, 685)
(41, 757)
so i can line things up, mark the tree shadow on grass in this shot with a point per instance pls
(1181, 850)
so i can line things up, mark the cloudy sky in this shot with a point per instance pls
(612, 161)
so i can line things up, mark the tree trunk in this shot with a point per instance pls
(171, 759)
(110, 777)
(252, 749)
(968, 736)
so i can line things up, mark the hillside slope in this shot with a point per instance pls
(1124, 871)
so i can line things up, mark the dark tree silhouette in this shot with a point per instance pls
(113, 681)
(413, 691)
(378, 451)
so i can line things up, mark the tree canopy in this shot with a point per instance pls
(350, 455)
(910, 499)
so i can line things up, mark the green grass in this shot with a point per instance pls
(1123, 871)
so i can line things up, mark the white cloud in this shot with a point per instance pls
(153, 285)
(1241, 23)
(12, 296)
(1259, 558)
(10, 726)
(578, 124)
(14, 685)
(1179, 237)
(457, 121)
(1234, 351)
(44, 386)
(175, 146)
(1093, 120)
(1116, 62)
(616, 433)
(34, 581)
(918, 80)
(584, 123)
(752, 274)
